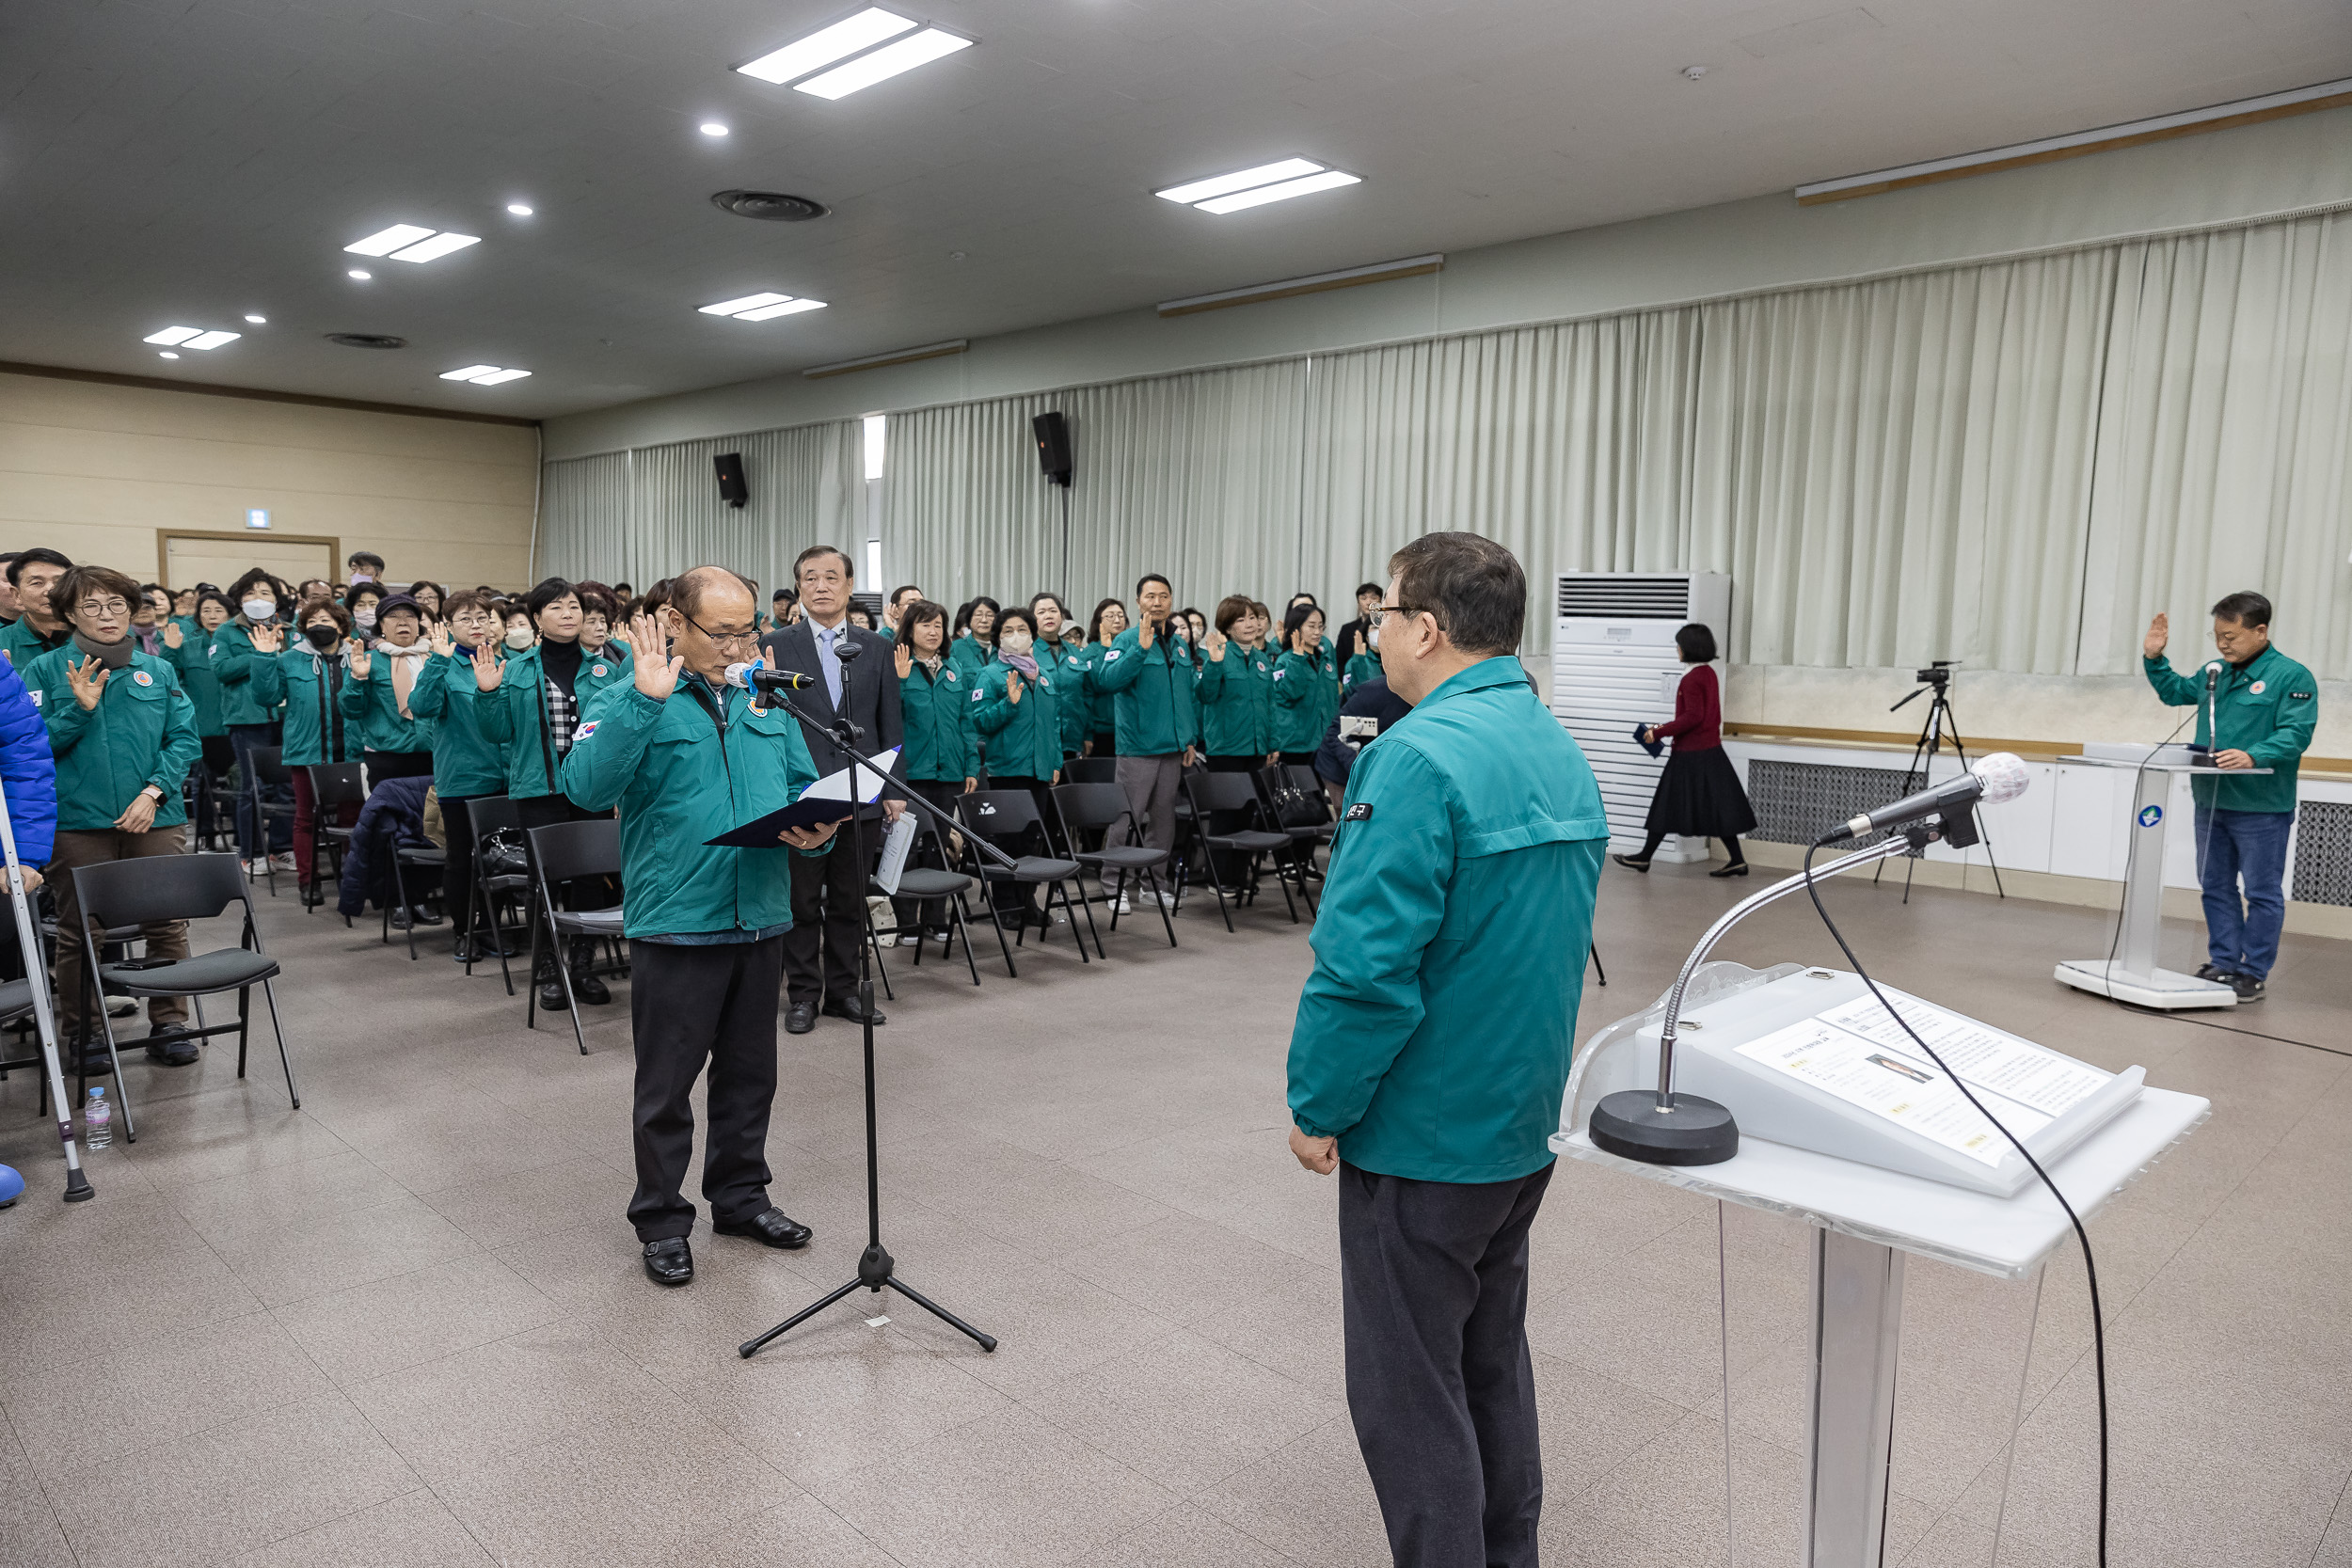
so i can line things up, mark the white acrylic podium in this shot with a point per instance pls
(1865, 1221)
(2133, 974)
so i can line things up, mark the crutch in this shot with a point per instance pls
(77, 1187)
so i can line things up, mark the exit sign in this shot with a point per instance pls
(256, 517)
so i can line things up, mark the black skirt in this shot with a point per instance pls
(1699, 795)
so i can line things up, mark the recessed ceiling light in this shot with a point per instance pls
(822, 48)
(435, 247)
(385, 241)
(1329, 180)
(362, 277)
(211, 340)
(1222, 184)
(258, 321)
(172, 335)
(499, 377)
(518, 209)
(760, 307)
(483, 375)
(167, 355)
(883, 63)
(467, 373)
(712, 128)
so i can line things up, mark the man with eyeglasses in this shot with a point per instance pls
(123, 735)
(829, 895)
(687, 756)
(1430, 1053)
(38, 627)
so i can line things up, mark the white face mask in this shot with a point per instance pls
(258, 609)
(364, 617)
(518, 638)
(1015, 642)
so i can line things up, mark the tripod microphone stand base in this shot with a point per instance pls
(874, 1273)
(1632, 1125)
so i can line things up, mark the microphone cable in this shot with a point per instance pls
(2091, 1270)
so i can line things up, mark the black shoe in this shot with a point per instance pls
(1737, 868)
(590, 990)
(399, 918)
(669, 1260)
(551, 996)
(2215, 972)
(770, 1226)
(173, 1046)
(1632, 863)
(2249, 987)
(93, 1062)
(799, 1018)
(849, 1010)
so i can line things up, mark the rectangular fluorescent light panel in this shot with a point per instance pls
(737, 307)
(385, 241)
(1249, 178)
(499, 377)
(435, 247)
(822, 48)
(171, 336)
(1328, 180)
(467, 373)
(211, 340)
(783, 307)
(883, 63)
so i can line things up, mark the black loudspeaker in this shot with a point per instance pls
(732, 489)
(1052, 445)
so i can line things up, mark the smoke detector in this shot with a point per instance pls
(1694, 71)
(367, 339)
(772, 206)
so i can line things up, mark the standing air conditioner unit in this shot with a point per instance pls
(1614, 666)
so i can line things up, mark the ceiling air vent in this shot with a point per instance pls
(367, 339)
(772, 206)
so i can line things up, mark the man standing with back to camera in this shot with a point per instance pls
(1431, 1050)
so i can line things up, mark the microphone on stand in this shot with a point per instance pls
(1995, 779)
(758, 677)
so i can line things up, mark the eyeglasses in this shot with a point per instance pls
(102, 607)
(725, 639)
(1384, 612)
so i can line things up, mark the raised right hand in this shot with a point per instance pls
(1145, 628)
(489, 666)
(88, 679)
(442, 644)
(360, 663)
(2159, 633)
(905, 658)
(269, 639)
(1013, 689)
(656, 676)
(1213, 645)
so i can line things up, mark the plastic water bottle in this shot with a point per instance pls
(98, 1120)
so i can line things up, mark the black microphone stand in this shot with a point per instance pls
(876, 1268)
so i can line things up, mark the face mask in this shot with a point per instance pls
(517, 637)
(322, 638)
(258, 609)
(1015, 642)
(365, 618)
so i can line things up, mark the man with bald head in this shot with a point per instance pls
(688, 756)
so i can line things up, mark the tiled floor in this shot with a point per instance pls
(406, 1326)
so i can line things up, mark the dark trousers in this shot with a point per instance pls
(242, 739)
(308, 830)
(457, 875)
(2248, 847)
(1433, 1277)
(689, 1006)
(165, 939)
(828, 919)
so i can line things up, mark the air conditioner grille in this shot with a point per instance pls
(1621, 597)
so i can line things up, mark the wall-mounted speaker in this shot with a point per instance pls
(1052, 445)
(732, 489)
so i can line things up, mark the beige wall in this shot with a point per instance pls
(102, 471)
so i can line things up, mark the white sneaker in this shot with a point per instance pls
(1168, 900)
(122, 1007)
(283, 861)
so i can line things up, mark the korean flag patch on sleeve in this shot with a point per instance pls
(35, 693)
(585, 731)
(976, 696)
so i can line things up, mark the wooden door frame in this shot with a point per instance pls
(164, 536)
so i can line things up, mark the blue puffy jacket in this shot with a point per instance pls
(27, 771)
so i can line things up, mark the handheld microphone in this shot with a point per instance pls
(759, 677)
(1995, 779)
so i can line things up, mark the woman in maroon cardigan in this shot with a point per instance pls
(1699, 792)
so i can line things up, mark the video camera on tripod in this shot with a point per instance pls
(1937, 678)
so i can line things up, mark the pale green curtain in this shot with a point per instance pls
(650, 513)
(2226, 442)
(965, 509)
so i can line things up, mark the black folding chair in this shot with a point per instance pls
(562, 852)
(492, 814)
(1091, 771)
(1294, 803)
(923, 884)
(176, 887)
(1101, 807)
(1005, 817)
(408, 858)
(266, 764)
(1211, 793)
(333, 785)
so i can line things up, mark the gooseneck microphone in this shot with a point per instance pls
(1995, 779)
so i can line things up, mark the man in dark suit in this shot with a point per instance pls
(820, 949)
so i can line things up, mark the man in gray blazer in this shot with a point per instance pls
(821, 950)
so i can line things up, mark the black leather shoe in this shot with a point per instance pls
(2215, 972)
(94, 1063)
(1632, 863)
(590, 990)
(799, 1019)
(770, 1226)
(1737, 868)
(2249, 988)
(849, 1010)
(669, 1260)
(173, 1046)
(551, 996)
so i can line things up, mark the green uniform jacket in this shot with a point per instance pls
(1433, 1036)
(142, 732)
(1059, 659)
(1362, 668)
(969, 655)
(515, 716)
(1154, 704)
(313, 687)
(1093, 707)
(464, 761)
(1306, 700)
(935, 716)
(235, 665)
(193, 660)
(21, 644)
(369, 704)
(679, 781)
(2265, 707)
(1236, 695)
(1024, 737)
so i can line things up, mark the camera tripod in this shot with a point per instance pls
(1937, 678)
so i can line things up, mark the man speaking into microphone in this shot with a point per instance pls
(1431, 1049)
(687, 756)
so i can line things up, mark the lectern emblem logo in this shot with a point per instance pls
(2151, 815)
